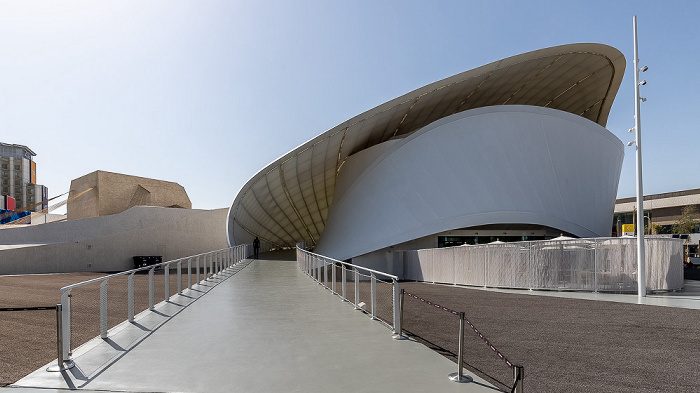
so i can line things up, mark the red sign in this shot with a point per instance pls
(9, 203)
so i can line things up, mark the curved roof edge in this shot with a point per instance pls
(283, 204)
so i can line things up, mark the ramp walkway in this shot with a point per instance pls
(266, 328)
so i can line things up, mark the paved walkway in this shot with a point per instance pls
(265, 327)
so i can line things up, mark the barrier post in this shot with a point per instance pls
(150, 289)
(374, 296)
(166, 277)
(518, 375)
(343, 275)
(189, 273)
(333, 276)
(179, 277)
(103, 309)
(459, 376)
(357, 288)
(398, 322)
(130, 290)
(62, 363)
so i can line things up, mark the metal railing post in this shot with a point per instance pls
(357, 288)
(374, 295)
(459, 376)
(150, 288)
(65, 322)
(398, 310)
(179, 277)
(325, 273)
(334, 277)
(130, 290)
(343, 275)
(197, 266)
(189, 273)
(166, 278)
(103, 309)
(211, 264)
(518, 375)
(62, 363)
(595, 265)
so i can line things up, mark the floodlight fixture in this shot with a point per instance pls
(631, 130)
(642, 83)
(643, 69)
(630, 143)
(643, 99)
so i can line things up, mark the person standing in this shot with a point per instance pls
(256, 248)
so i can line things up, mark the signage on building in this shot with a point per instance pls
(627, 229)
(32, 172)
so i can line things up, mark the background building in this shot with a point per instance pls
(103, 193)
(661, 212)
(18, 177)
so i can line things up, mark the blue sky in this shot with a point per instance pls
(206, 93)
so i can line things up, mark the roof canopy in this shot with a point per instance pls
(288, 201)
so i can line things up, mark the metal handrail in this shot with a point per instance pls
(219, 260)
(314, 273)
(67, 287)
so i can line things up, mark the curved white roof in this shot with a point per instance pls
(288, 200)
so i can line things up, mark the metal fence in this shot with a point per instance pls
(355, 284)
(135, 292)
(601, 264)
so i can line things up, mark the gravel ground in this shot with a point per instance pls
(565, 345)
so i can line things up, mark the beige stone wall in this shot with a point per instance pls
(114, 193)
(109, 243)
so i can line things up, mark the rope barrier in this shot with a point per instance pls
(496, 351)
(26, 308)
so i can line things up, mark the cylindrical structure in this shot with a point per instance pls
(641, 268)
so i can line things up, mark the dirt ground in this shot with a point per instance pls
(565, 345)
(28, 338)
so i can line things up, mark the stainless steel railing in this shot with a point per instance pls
(210, 263)
(324, 270)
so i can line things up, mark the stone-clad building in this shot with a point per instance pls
(105, 193)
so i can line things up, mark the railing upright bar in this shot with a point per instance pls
(325, 273)
(130, 289)
(65, 323)
(396, 305)
(150, 289)
(334, 277)
(62, 363)
(374, 295)
(595, 265)
(197, 267)
(398, 332)
(344, 277)
(103, 309)
(189, 273)
(357, 288)
(211, 264)
(166, 278)
(179, 277)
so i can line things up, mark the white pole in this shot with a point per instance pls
(641, 269)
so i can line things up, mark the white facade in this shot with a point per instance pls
(494, 165)
(517, 141)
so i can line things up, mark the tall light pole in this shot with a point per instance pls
(641, 268)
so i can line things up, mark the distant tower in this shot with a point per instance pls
(18, 177)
